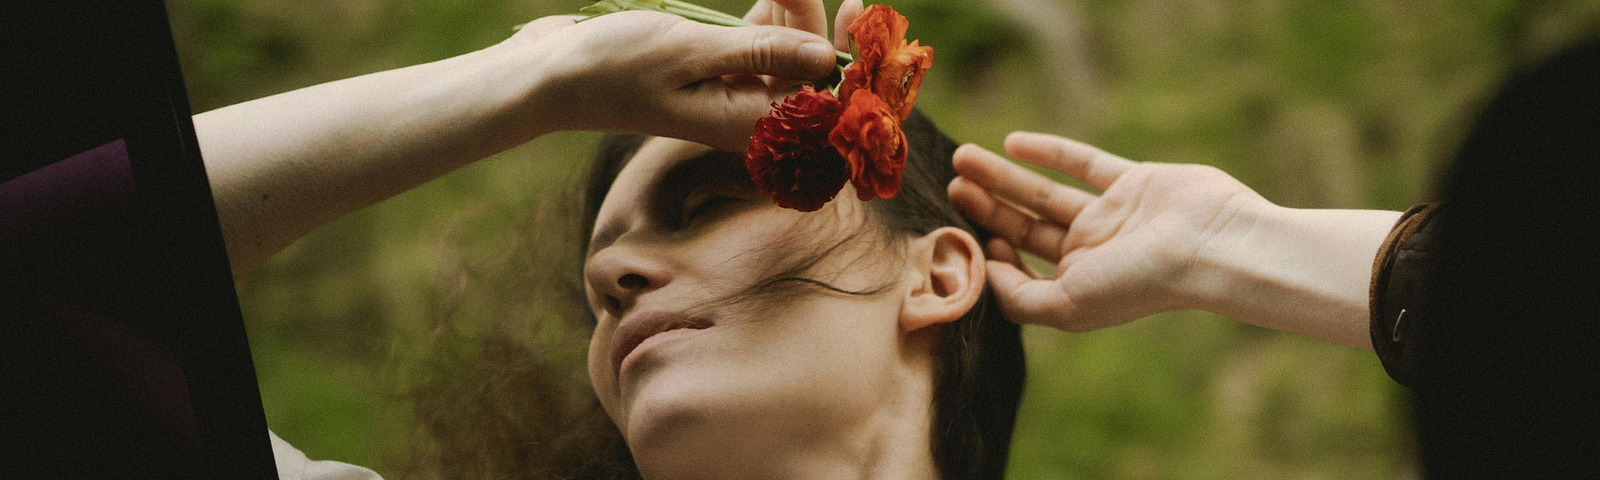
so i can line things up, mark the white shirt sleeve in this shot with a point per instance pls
(293, 465)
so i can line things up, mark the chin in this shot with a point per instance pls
(698, 423)
(679, 428)
(663, 405)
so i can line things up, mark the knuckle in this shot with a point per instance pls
(762, 53)
(1028, 225)
(1055, 201)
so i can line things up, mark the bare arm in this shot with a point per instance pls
(1164, 237)
(1299, 270)
(282, 165)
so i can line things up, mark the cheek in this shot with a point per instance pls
(600, 377)
(824, 359)
(741, 250)
(819, 366)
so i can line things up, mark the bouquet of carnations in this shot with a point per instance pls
(804, 151)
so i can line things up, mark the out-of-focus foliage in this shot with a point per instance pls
(1314, 104)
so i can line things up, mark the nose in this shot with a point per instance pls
(619, 275)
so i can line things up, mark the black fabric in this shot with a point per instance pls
(1513, 359)
(123, 353)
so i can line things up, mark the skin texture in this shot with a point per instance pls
(744, 401)
(743, 398)
(1161, 237)
(282, 165)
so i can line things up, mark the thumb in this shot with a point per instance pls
(762, 50)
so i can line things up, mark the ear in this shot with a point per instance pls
(947, 266)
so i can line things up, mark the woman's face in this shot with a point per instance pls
(692, 373)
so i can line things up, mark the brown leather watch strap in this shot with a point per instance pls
(1399, 291)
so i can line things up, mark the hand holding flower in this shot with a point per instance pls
(878, 92)
(656, 73)
(785, 154)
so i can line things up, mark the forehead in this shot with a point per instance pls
(636, 183)
(654, 157)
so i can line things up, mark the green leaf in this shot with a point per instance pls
(603, 7)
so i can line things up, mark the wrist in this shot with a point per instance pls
(516, 84)
(1222, 263)
(1306, 271)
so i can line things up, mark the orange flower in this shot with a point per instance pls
(870, 139)
(790, 159)
(801, 154)
(885, 64)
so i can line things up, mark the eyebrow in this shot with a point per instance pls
(677, 177)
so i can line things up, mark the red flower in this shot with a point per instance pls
(801, 154)
(790, 159)
(885, 64)
(869, 137)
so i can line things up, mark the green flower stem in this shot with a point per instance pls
(708, 15)
(703, 17)
(708, 11)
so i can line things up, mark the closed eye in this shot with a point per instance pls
(709, 203)
(699, 188)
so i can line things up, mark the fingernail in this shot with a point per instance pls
(817, 55)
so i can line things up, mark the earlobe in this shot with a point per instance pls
(948, 266)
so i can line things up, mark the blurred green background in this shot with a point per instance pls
(1350, 104)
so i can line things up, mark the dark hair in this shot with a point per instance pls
(981, 370)
(499, 400)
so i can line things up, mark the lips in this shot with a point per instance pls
(635, 329)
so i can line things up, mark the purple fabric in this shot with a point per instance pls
(93, 181)
(67, 220)
(146, 369)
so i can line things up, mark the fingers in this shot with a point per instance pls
(778, 17)
(1024, 299)
(717, 113)
(807, 15)
(763, 50)
(1001, 250)
(1077, 159)
(848, 11)
(1039, 237)
(1056, 202)
(760, 13)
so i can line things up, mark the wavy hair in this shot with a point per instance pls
(498, 399)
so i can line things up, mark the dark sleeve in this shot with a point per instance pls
(86, 186)
(1509, 360)
(78, 371)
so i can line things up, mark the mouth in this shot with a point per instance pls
(634, 330)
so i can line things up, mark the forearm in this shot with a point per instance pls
(282, 165)
(1299, 270)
